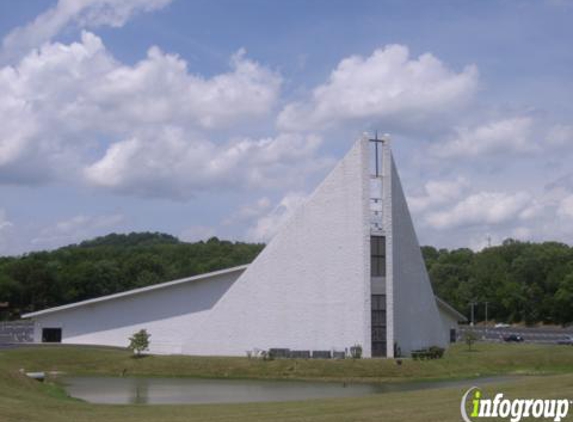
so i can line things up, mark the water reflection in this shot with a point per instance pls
(151, 390)
(141, 391)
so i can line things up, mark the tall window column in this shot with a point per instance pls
(378, 301)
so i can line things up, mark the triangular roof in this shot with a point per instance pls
(238, 270)
(311, 287)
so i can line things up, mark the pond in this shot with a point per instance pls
(153, 390)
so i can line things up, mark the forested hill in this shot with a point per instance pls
(523, 282)
(110, 264)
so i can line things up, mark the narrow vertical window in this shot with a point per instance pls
(377, 256)
(378, 301)
(378, 323)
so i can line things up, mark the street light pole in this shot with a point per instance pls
(472, 320)
(486, 303)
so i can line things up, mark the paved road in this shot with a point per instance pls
(4, 346)
(531, 335)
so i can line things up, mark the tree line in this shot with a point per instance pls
(521, 281)
(108, 265)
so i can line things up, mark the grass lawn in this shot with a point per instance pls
(549, 370)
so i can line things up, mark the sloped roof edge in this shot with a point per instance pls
(136, 291)
(449, 308)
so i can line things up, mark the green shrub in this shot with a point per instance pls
(436, 352)
(433, 352)
(356, 351)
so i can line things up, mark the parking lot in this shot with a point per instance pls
(549, 335)
(16, 332)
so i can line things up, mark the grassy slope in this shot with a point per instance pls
(27, 400)
(488, 359)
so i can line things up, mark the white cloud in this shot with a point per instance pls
(535, 209)
(521, 233)
(566, 207)
(59, 103)
(560, 136)
(197, 233)
(507, 135)
(173, 165)
(249, 212)
(438, 192)
(483, 208)
(4, 223)
(267, 226)
(84, 13)
(77, 228)
(83, 81)
(484, 240)
(386, 85)
(6, 227)
(160, 90)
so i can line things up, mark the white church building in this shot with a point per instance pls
(346, 269)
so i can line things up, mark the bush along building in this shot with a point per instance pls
(344, 272)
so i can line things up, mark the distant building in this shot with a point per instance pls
(346, 269)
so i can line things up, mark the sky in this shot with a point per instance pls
(218, 118)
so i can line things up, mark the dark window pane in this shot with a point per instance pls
(379, 349)
(378, 302)
(373, 267)
(378, 267)
(378, 256)
(51, 335)
(378, 334)
(377, 245)
(378, 318)
(378, 325)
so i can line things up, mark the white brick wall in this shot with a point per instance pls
(309, 287)
(417, 320)
(307, 290)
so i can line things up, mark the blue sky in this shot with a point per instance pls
(202, 118)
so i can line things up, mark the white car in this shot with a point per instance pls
(568, 341)
(501, 325)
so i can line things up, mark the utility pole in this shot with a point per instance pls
(472, 304)
(486, 303)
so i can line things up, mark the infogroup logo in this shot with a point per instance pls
(514, 410)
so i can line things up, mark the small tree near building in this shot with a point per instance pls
(139, 342)
(470, 337)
